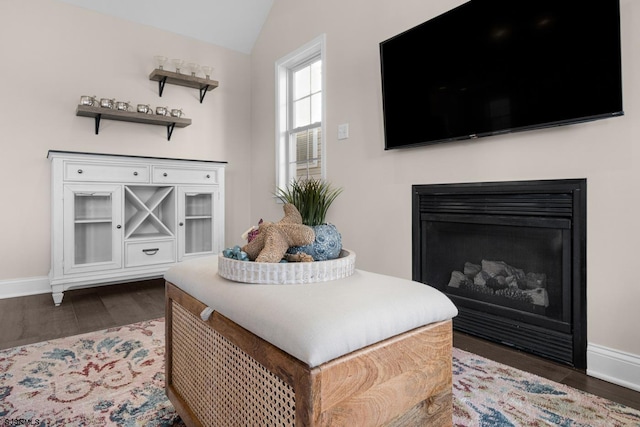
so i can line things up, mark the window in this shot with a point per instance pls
(300, 145)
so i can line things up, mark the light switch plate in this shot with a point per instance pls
(343, 131)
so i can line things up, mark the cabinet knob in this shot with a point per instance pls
(118, 226)
(208, 176)
(135, 173)
(79, 170)
(181, 224)
(164, 174)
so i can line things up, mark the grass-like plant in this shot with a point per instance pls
(312, 197)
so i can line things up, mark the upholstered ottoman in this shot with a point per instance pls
(365, 350)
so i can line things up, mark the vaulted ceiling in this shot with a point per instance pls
(234, 24)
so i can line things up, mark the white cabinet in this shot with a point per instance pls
(123, 218)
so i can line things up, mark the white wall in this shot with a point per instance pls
(52, 53)
(374, 211)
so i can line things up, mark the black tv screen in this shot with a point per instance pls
(495, 66)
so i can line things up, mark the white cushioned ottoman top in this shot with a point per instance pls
(316, 322)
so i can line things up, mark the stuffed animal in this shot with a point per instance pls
(275, 238)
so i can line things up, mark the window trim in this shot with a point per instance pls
(303, 54)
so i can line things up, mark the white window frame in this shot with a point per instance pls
(283, 66)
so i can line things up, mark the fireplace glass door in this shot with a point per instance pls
(515, 270)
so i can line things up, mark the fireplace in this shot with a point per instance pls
(511, 256)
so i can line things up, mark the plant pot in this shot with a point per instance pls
(327, 244)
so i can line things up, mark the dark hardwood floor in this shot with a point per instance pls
(35, 318)
(32, 319)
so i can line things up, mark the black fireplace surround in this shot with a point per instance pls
(512, 258)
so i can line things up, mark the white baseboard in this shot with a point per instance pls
(23, 287)
(614, 366)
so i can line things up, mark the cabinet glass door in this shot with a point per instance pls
(197, 212)
(91, 228)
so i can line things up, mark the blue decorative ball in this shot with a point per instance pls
(327, 245)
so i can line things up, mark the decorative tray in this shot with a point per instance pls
(287, 272)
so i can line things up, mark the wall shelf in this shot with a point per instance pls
(99, 113)
(164, 76)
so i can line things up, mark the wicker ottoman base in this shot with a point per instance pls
(220, 374)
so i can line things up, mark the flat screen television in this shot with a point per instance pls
(495, 66)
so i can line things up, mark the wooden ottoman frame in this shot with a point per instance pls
(220, 374)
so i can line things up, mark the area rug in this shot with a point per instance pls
(490, 394)
(115, 377)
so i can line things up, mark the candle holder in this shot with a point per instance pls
(193, 68)
(207, 71)
(177, 63)
(160, 61)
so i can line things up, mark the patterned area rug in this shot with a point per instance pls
(490, 394)
(115, 377)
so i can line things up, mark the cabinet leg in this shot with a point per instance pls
(57, 297)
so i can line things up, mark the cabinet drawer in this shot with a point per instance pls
(169, 175)
(150, 252)
(105, 172)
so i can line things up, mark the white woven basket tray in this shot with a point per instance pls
(289, 272)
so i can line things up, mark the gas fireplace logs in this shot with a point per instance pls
(501, 279)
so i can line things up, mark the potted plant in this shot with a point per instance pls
(312, 197)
